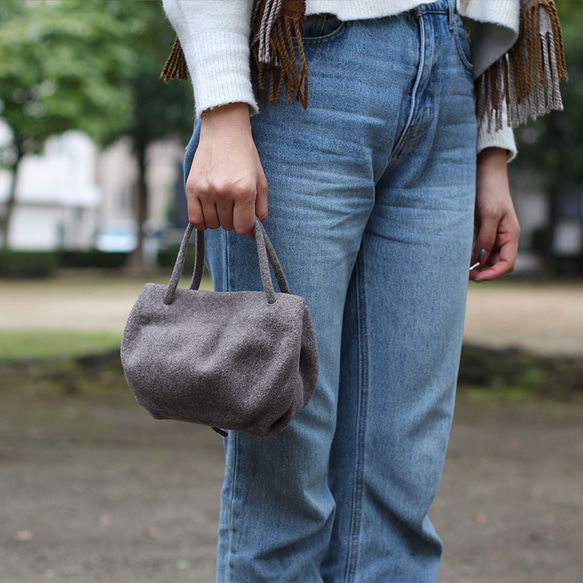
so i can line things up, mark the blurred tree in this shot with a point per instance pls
(159, 110)
(91, 66)
(63, 66)
(551, 149)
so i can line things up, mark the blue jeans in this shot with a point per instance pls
(371, 202)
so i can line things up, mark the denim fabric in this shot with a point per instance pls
(371, 201)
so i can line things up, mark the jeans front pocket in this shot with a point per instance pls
(321, 28)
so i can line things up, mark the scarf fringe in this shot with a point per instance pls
(175, 67)
(526, 78)
(272, 46)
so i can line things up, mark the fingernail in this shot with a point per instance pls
(482, 255)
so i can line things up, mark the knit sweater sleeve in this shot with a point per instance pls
(503, 138)
(215, 40)
(493, 29)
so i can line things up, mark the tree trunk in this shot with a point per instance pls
(549, 267)
(137, 261)
(7, 217)
(553, 194)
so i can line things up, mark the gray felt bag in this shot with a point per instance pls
(244, 360)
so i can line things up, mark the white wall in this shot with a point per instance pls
(71, 190)
(56, 194)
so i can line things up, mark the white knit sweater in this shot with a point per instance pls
(214, 35)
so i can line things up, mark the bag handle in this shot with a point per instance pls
(265, 251)
(267, 255)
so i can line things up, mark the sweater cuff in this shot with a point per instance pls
(220, 70)
(503, 138)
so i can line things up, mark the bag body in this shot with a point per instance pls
(246, 361)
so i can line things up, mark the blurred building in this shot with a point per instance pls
(57, 198)
(72, 193)
(532, 208)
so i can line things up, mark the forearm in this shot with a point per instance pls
(231, 118)
(492, 157)
(496, 227)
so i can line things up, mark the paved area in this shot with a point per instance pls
(95, 491)
(547, 319)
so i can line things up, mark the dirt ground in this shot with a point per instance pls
(94, 490)
(97, 491)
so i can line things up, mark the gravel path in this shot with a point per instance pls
(95, 491)
(98, 492)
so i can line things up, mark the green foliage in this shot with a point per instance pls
(27, 263)
(52, 363)
(552, 147)
(18, 345)
(515, 374)
(167, 257)
(92, 258)
(91, 66)
(158, 109)
(63, 66)
(16, 264)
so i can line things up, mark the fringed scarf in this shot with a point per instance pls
(526, 78)
(271, 46)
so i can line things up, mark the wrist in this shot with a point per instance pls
(229, 115)
(493, 157)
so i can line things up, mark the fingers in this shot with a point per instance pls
(261, 200)
(244, 209)
(227, 206)
(224, 208)
(226, 186)
(486, 235)
(496, 226)
(502, 258)
(209, 210)
(195, 214)
(220, 198)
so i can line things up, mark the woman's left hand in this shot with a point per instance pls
(496, 229)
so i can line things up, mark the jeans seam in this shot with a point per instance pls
(322, 40)
(460, 51)
(323, 25)
(227, 262)
(235, 445)
(405, 136)
(356, 518)
(233, 437)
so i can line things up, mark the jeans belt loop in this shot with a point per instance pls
(452, 10)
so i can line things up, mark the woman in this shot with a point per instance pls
(376, 191)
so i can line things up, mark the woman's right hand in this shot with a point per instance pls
(226, 185)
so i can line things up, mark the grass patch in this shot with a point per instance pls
(512, 374)
(57, 364)
(46, 345)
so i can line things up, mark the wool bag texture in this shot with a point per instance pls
(245, 361)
